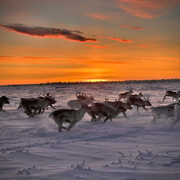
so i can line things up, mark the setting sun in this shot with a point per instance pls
(96, 80)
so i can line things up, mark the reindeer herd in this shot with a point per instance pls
(106, 110)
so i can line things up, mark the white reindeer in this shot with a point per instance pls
(71, 116)
(166, 111)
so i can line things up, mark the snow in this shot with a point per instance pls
(129, 148)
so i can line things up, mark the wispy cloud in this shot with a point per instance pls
(133, 27)
(146, 8)
(121, 40)
(73, 35)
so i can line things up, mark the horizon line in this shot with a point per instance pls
(93, 82)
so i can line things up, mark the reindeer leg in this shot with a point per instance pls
(33, 113)
(137, 108)
(93, 117)
(28, 112)
(124, 114)
(106, 119)
(71, 125)
(164, 98)
(145, 108)
(19, 107)
(59, 123)
(52, 106)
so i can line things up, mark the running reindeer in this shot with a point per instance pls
(71, 116)
(116, 104)
(171, 111)
(103, 110)
(34, 106)
(82, 98)
(139, 102)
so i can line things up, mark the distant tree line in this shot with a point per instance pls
(102, 82)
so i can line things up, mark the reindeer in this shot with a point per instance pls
(50, 97)
(71, 116)
(81, 99)
(34, 106)
(104, 110)
(137, 96)
(166, 111)
(171, 111)
(84, 99)
(173, 94)
(125, 95)
(116, 104)
(138, 102)
(3, 100)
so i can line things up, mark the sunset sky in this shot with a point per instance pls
(88, 40)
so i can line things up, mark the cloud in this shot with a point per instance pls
(146, 8)
(120, 40)
(133, 27)
(47, 32)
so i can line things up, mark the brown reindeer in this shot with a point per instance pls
(138, 102)
(34, 106)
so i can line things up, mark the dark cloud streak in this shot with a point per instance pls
(47, 32)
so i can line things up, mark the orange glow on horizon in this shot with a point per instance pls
(35, 70)
(96, 80)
